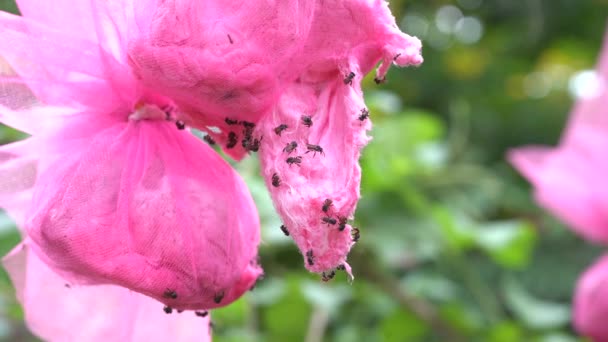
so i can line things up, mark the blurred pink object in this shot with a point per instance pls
(58, 311)
(123, 195)
(570, 180)
(591, 301)
(312, 140)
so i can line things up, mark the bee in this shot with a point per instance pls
(294, 160)
(230, 39)
(247, 124)
(67, 286)
(341, 267)
(276, 181)
(355, 234)
(180, 311)
(232, 140)
(201, 313)
(280, 128)
(209, 140)
(328, 276)
(170, 294)
(310, 258)
(231, 121)
(329, 220)
(168, 309)
(180, 124)
(326, 205)
(218, 297)
(379, 80)
(342, 220)
(349, 78)
(290, 147)
(314, 149)
(364, 114)
(306, 120)
(254, 146)
(284, 229)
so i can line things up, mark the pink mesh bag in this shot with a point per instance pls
(313, 138)
(123, 195)
(56, 310)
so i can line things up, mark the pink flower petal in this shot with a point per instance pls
(312, 140)
(591, 301)
(569, 180)
(56, 310)
(146, 206)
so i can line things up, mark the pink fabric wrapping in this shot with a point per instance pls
(591, 301)
(307, 162)
(569, 180)
(222, 59)
(56, 310)
(121, 196)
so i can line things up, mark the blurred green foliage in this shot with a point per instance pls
(453, 247)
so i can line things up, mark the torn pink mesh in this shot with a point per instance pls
(313, 138)
(56, 310)
(143, 205)
(569, 180)
(590, 303)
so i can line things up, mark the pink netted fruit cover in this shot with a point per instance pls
(313, 138)
(144, 205)
(123, 194)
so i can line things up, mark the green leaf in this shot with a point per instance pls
(509, 243)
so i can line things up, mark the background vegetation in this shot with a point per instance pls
(453, 247)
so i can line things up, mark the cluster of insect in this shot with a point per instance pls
(327, 218)
(171, 294)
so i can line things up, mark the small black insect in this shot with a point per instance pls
(341, 267)
(201, 313)
(306, 120)
(254, 145)
(209, 140)
(232, 140)
(342, 223)
(284, 229)
(364, 114)
(310, 258)
(280, 128)
(218, 297)
(294, 160)
(247, 124)
(355, 234)
(68, 286)
(329, 220)
(276, 181)
(326, 205)
(168, 309)
(170, 294)
(349, 78)
(379, 80)
(180, 124)
(180, 311)
(290, 147)
(230, 39)
(328, 276)
(231, 121)
(314, 149)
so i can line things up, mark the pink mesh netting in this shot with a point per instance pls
(314, 136)
(122, 196)
(56, 310)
